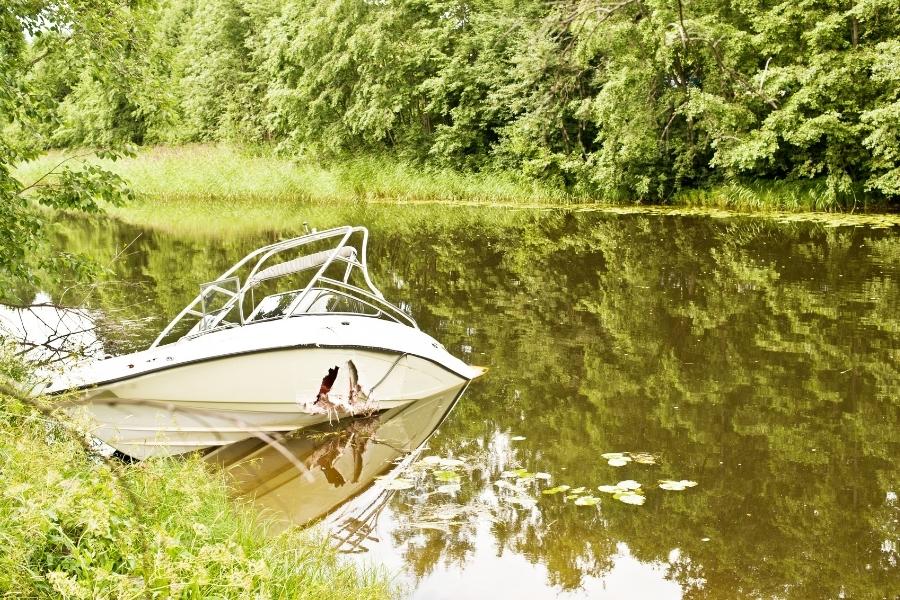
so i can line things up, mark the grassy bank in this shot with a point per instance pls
(221, 189)
(219, 173)
(75, 526)
(226, 173)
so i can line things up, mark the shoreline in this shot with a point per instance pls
(227, 172)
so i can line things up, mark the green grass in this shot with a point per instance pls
(75, 526)
(203, 189)
(219, 189)
(225, 172)
(778, 195)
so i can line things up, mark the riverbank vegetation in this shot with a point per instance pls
(645, 100)
(227, 172)
(76, 526)
(232, 187)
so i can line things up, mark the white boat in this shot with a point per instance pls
(320, 343)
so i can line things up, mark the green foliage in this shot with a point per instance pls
(216, 97)
(76, 527)
(43, 43)
(634, 100)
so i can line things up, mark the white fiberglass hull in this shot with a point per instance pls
(255, 380)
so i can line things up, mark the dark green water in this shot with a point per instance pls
(761, 360)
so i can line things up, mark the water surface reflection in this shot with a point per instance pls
(307, 474)
(760, 359)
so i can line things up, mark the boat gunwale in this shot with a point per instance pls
(166, 367)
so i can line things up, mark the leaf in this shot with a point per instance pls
(447, 476)
(587, 501)
(628, 484)
(676, 486)
(522, 473)
(630, 498)
(578, 490)
(517, 438)
(609, 489)
(544, 476)
(612, 455)
(619, 462)
(555, 490)
(451, 463)
(448, 488)
(668, 484)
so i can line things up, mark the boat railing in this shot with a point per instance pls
(343, 252)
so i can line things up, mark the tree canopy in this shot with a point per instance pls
(50, 53)
(635, 99)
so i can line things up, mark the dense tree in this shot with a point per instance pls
(635, 99)
(54, 55)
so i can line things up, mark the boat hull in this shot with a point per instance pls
(189, 395)
(217, 402)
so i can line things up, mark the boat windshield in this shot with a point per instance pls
(319, 301)
(321, 272)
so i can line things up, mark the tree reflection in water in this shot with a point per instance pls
(757, 358)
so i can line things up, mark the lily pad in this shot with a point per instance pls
(448, 488)
(505, 485)
(619, 462)
(544, 476)
(451, 463)
(430, 460)
(612, 455)
(517, 438)
(628, 484)
(609, 489)
(509, 474)
(555, 490)
(578, 490)
(446, 476)
(399, 484)
(586, 501)
(523, 474)
(630, 498)
(676, 486)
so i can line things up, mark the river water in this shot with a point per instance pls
(759, 359)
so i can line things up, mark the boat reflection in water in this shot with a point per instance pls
(312, 473)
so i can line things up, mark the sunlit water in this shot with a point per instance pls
(759, 359)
